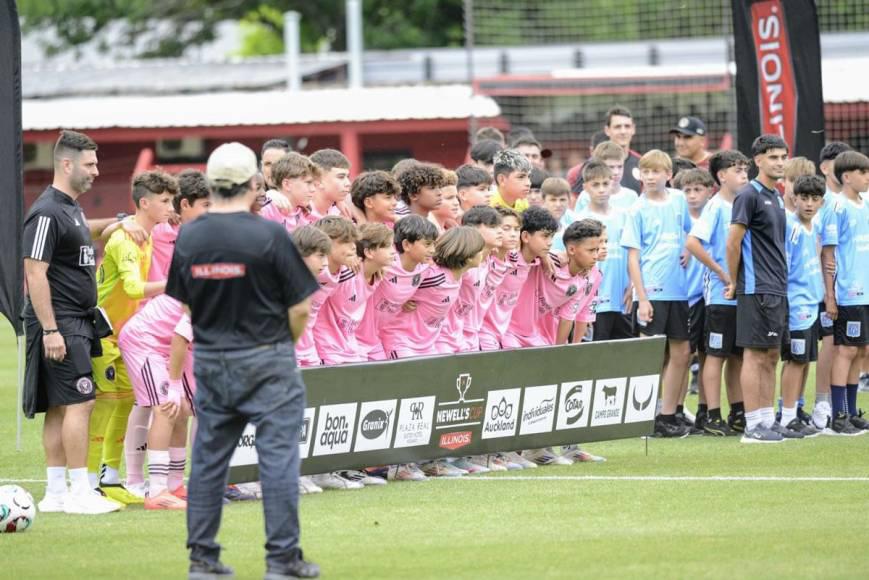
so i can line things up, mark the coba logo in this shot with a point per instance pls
(775, 73)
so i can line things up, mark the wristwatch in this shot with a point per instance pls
(47, 331)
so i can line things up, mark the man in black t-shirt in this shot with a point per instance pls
(620, 129)
(756, 250)
(248, 292)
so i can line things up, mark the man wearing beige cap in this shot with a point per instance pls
(248, 292)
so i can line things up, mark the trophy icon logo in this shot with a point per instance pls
(463, 383)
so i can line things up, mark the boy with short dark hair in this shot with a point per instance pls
(556, 197)
(474, 186)
(420, 188)
(535, 194)
(655, 237)
(272, 150)
(375, 194)
(613, 156)
(512, 179)
(795, 167)
(483, 154)
(450, 211)
(333, 183)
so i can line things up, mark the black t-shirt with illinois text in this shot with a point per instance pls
(239, 274)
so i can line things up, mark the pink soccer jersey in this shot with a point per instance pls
(379, 322)
(338, 319)
(297, 217)
(416, 333)
(270, 211)
(512, 272)
(306, 349)
(315, 215)
(471, 307)
(163, 238)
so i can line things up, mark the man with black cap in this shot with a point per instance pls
(689, 137)
(248, 292)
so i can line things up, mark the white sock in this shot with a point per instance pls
(56, 480)
(94, 479)
(110, 475)
(177, 464)
(753, 419)
(158, 471)
(80, 480)
(788, 415)
(768, 417)
(135, 444)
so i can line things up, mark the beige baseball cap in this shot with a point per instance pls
(231, 164)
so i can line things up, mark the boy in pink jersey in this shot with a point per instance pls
(294, 176)
(415, 242)
(450, 212)
(332, 185)
(474, 186)
(375, 195)
(340, 315)
(462, 328)
(535, 238)
(419, 325)
(421, 188)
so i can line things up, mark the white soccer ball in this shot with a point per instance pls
(17, 509)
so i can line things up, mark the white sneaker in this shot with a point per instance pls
(138, 489)
(335, 481)
(253, 488)
(52, 502)
(546, 456)
(822, 414)
(307, 485)
(441, 468)
(406, 472)
(468, 465)
(362, 477)
(516, 458)
(488, 461)
(90, 503)
(577, 455)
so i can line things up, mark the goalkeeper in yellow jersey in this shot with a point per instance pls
(122, 284)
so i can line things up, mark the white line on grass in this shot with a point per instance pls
(6, 480)
(658, 478)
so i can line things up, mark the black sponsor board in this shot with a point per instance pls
(448, 406)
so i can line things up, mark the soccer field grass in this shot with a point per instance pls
(687, 509)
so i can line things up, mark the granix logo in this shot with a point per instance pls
(775, 72)
(456, 440)
(375, 425)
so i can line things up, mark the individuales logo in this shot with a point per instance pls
(463, 412)
(775, 71)
(538, 409)
(456, 440)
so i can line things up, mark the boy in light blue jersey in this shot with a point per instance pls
(707, 242)
(614, 302)
(555, 193)
(613, 156)
(654, 236)
(805, 291)
(845, 239)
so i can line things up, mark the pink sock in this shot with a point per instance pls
(135, 444)
(158, 470)
(177, 463)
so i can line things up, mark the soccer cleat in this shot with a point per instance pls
(864, 383)
(307, 485)
(165, 501)
(859, 422)
(485, 462)
(52, 502)
(235, 493)
(700, 420)
(119, 493)
(90, 502)
(406, 472)
(335, 481)
(786, 432)
(761, 434)
(202, 570)
(253, 488)
(670, 430)
(822, 415)
(441, 468)
(180, 492)
(516, 458)
(468, 465)
(842, 425)
(138, 489)
(736, 421)
(546, 456)
(694, 387)
(804, 417)
(295, 569)
(717, 427)
(508, 462)
(577, 455)
(806, 430)
(362, 477)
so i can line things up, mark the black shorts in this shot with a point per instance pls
(719, 331)
(612, 326)
(802, 345)
(761, 320)
(669, 318)
(825, 325)
(849, 329)
(68, 382)
(696, 317)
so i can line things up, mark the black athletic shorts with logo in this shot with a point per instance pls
(825, 324)
(849, 329)
(719, 331)
(58, 383)
(761, 320)
(669, 318)
(612, 326)
(802, 345)
(696, 317)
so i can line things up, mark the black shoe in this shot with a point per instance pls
(202, 570)
(669, 430)
(842, 425)
(700, 419)
(717, 427)
(859, 422)
(681, 419)
(805, 418)
(802, 428)
(736, 421)
(295, 569)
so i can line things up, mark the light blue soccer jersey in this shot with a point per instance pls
(615, 268)
(846, 226)
(558, 238)
(694, 274)
(623, 200)
(711, 228)
(658, 229)
(805, 281)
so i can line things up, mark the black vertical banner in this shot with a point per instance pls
(11, 189)
(778, 73)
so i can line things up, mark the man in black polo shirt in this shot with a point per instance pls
(248, 293)
(59, 324)
(756, 250)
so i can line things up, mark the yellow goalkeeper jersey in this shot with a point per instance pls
(121, 278)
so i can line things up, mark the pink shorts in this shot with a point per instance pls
(510, 340)
(332, 359)
(489, 343)
(149, 375)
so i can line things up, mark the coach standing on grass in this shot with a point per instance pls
(756, 250)
(248, 292)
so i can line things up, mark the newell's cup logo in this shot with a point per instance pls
(463, 412)
(414, 422)
(538, 409)
(375, 425)
(642, 394)
(335, 429)
(573, 404)
(609, 398)
(463, 383)
(501, 415)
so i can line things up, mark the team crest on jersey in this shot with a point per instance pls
(572, 290)
(164, 388)
(110, 373)
(84, 385)
(416, 280)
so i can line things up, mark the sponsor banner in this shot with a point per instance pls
(409, 411)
